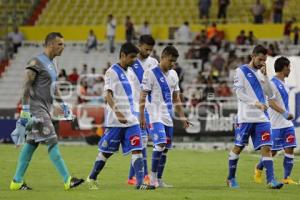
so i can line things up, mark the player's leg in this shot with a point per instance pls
(107, 147)
(241, 139)
(163, 159)
(23, 163)
(262, 140)
(288, 161)
(132, 142)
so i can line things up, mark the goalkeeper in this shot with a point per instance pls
(37, 101)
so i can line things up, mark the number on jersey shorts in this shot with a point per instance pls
(128, 137)
(283, 138)
(161, 133)
(260, 134)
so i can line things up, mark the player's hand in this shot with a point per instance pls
(66, 109)
(142, 122)
(25, 115)
(261, 106)
(121, 117)
(290, 117)
(186, 123)
(264, 70)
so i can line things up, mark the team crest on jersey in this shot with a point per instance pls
(136, 66)
(135, 140)
(122, 76)
(155, 136)
(104, 144)
(162, 79)
(249, 75)
(281, 87)
(290, 138)
(238, 138)
(265, 136)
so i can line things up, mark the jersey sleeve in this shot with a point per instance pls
(274, 90)
(34, 65)
(147, 83)
(109, 81)
(176, 86)
(238, 80)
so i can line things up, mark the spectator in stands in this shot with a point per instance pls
(129, 29)
(200, 38)
(215, 74)
(98, 86)
(287, 32)
(212, 31)
(224, 90)
(17, 38)
(204, 53)
(209, 91)
(82, 91)
(241, 38)
(219, 62)
(258, 10)
(91, 42)
(222, 13)
(73, 77)
(91, 80)
(183, 34)
(278, 11)
(296, 35)
(84, 69)
(108, 65)
(62, 76)
(145, 29)
(272, 50)
(204, 6)
(110, 32)
(251, 39)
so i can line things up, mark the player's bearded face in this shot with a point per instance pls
(58, 46)
(259, 61)
(145, 50)
(287, 70)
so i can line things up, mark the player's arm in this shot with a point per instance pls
(142, 103)
(110, 101)
(29, 79)
(179, 110)
(266, 83)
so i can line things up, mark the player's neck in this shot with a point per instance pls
(123, 66)
(139, 56)
(49, 54)
(280, 76)
(163, 70)
(251, 65)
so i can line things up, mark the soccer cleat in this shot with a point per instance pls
(93, 184)
(147, 180)
(131, 181)
(275, 185)
(19, 186)
(232, 183)
(162, 184)
(257, 175)
(145, 187)
(289, 180)
(73, 182)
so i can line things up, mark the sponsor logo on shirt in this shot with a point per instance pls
(290, 138)
(104, 144)
(135, 140)
(122, 76)
(249, 75)
(265, 136)
(162, 79)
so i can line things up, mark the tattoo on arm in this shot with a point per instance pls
(29, 79)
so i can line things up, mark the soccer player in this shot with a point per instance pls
(283, 132)
(161, 84)
(252, 85)
(37, 101)
(142, 63)
(122, 125)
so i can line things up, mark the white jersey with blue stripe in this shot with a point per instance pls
(157, 108)
(113, 83)
(146, 64)
(247, 111)
(276, 118)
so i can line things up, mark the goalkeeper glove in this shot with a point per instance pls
(24, 115)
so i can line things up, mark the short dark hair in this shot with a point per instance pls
(147, 39)
(52, 36)
(280, 63)
(128, 48)
(170, 51)
(259, 49)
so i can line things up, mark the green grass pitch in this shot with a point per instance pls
(195, 175)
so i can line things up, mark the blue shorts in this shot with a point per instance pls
(260, 134)
(283, 138)
(161, 134)
(129, 137)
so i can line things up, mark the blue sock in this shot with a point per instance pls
(161, 166)
(58, 161)
(138, 165)
(233, 160)
(144, 152)
(268, 164)
(131, 171)
(260, 165)
(156, 155)
(23, 162)
(98, 166)
(288, 163)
